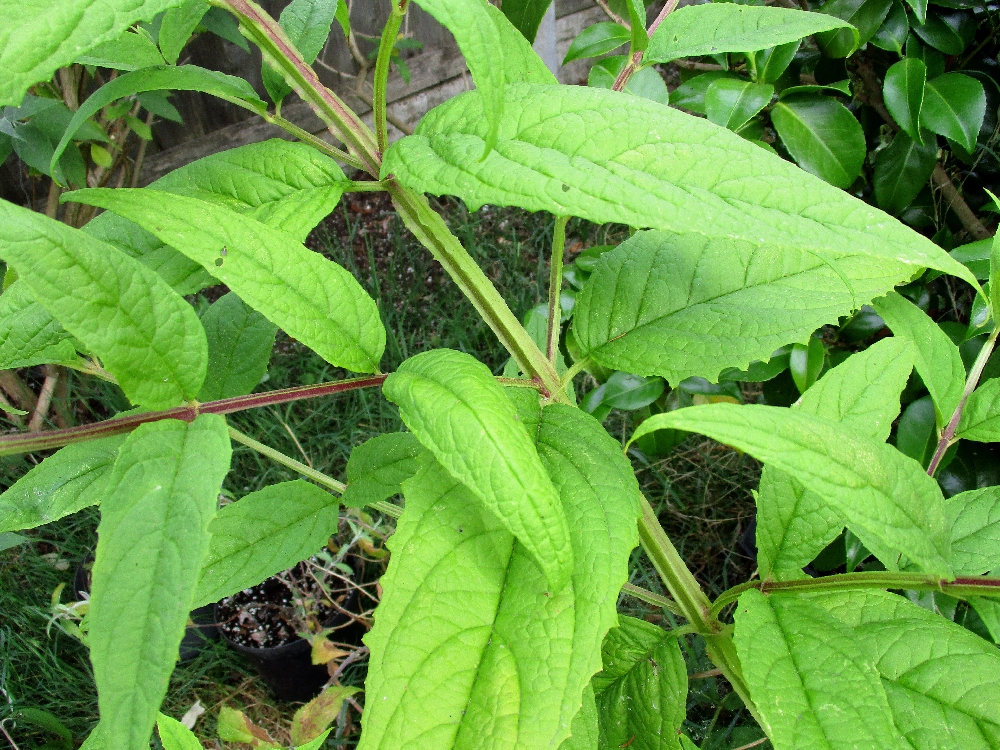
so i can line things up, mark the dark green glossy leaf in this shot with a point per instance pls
(891, 35)
(805, 361)
(631, 392)
(954, 106)
(690, 95)
(916, 435)
(731, 103)
(597, 40)
(823, 137)
(865, 16)
(933, 59)
(901, 171)
(240, 340)
(950, 33)
(839, 87)
(919, 9)
(646, 83)
(379, 466)
(773, 61)
(903, 91)
(760, 370)
(726, 27)
(526, 15)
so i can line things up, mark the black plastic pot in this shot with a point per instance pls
(195, 637)
(287, 670)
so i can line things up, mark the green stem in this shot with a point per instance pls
(278, 457)
(649, 597)
(555, 288)
(278, 52)
(385, 47)
(388, 508)
(366, 186)
(28, 442)
(575, 370)
(430, 229)
(948, 435)
(960, 587)
(315, 141)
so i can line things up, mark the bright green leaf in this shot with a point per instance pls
(311, 298)
(901, 171)
(811, 681)
(975, 531)
(147, 336)
(176, 736)
(264, 533)
(38, 38)
(645, 82)
(521, 63)
(597, 40)
(153, 537)
(177, 26)
(981, 415)
(954, 106)
(641, 694)
(726, 27)
(526, 15)
(609, 157)
(240, 340)
(730, 102)
(903, 91)
(805, 361)
(130, 51)
(885, 497)
(584, 733)
(29, 335)
(865, 16)
(378, 467)
(307, 25)
(496, 673)
(455, 408)
(71, 479)
(823, 136)
(862, 394)
(184, 78)
(938, 362)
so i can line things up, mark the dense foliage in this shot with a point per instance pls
(498, 623)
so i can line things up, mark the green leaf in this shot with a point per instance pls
(9, 540)
(642, 691)
(130, 51)
(730, 102)
(805, 361)
(862, 394)
(630, 392)
(29, 335)
(891, 35)
(288, 186)
(264, 533)
(950, 33)
(638, 37)
(311, 298)
(975, 531)
(475, 32)
(596, 40)
(954, 106)
(690, 95)
(240, 340)
(496, 672)
(378, 467)
(726, 27)
(312, 720)
(916, 435)
(903, 91)
(865, 17)
(681, 306)
(521, 63)
(645, 82)
(938, 361)
(174, 735)
(976, 257)
(823, 136)
(37, 39)
(901, 172)
(989, 612)
(71, 479)
(885, 497)
(184, 78)
(584, 731)
(307, 25)
(919, 9)
(838, 87)
(147, 336)
(810, 679)
(177, 26)
(526, 15)
(563, 150)
(981, 415)
(455, 408)
(153, 537)
(772, 62)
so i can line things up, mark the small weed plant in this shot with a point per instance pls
(498, 622)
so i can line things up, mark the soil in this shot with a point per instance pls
(264, 616)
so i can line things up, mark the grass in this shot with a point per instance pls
(701, 491)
